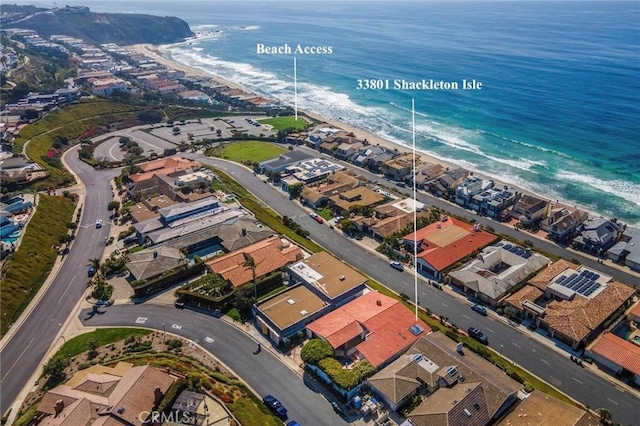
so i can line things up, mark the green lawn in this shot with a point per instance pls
(249, 413)
(326, 213)
(27, 268)
(103, 336)
(247, 152)
(281, 123)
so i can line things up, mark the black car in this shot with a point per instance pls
(275, 406)
(478, 335)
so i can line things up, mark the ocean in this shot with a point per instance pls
(558, 113)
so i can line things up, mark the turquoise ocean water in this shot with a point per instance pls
(559, 111)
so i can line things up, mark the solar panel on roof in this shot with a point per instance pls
(561, 279)
(592, 287)
(526, 255)
(584, 286)
(513, 249)
(519, 251)
(596, 276)
(507, 246)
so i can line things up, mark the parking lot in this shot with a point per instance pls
(160, 137)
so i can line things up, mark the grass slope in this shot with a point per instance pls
(103, 336)
(27, 268)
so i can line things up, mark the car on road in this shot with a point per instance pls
(275, 406)
(396, 265)
(99, 223)
(478, 335)
(293, 423)
(316, 217)
(479, 309)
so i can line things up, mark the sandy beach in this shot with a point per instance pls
(152, 52)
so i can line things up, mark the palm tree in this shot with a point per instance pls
(249, 262)
(95, 262)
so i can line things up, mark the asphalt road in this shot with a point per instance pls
(577, 382)
(264, 372)
(22, 355)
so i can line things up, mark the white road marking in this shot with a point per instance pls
(141, 320)
(612, 401)
(545, 361)
(577, 380)
(490, 330)
(466, 316)
(516, 345)
(444, 304)
(17, 360)
(208, 339)
(176, 326)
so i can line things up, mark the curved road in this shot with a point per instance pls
(577, 382)
(264, 372)
(24, 352)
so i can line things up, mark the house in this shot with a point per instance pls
(283, 315)
(153, 262)
(318, 134)
(461, 387)
(634, 315)
(570, 302)
(618, 355)
(277, 165)
(540, 409)
(361, 197)
(150, 179)
(496, 270)
(317, 195)
(447, 182)
(561, 223)
(307, 172)
(329, 278)
(401, 166)
(375, 327)
(346, 149)
(443, 243)
(361, 158)
(268, 255)
(106, 86)
(379, 229)
(192, 407)
(105, 395)
(596, 235)
(427, 173)
(530, 209)
(377, 161)
(148, 209)
(472, 186)
(493, 201)
(18, 169)
(391, 217)
(627, 250)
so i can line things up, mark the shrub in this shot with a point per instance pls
(315, 351)
(343, 378)
(171, 395)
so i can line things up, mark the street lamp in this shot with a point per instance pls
(7, 319)
(501, 347)
(164, 333)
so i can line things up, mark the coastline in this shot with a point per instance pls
(153, 52)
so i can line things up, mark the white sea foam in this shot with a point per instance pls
(628, 190)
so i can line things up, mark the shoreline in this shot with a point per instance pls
(155, 53)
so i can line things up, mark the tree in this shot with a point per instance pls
(93, 349)
(124, 140)
(54, 368)
(249, 262)
(315, 351)
(176, 130)
(605, 416)
(295, 190)
(113, 205)
(95, 262)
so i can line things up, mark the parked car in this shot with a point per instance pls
(91, 271)
(316, 217)
(275, 406)
(478, 335)
(99, 223)
(293, 423)
(179, 305)
(396, 265)
(480, 309)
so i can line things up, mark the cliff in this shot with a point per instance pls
(98, 28)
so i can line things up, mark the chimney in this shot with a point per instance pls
(379, 302)
(59, 406)
(155, 254)
(244, 232)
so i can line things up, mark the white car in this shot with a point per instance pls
(99, 223)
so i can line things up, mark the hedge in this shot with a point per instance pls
(315, 351)
(345, 378)
(171, 395)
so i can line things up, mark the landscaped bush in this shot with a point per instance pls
(171, 395)
(363, 370)
(315, 351)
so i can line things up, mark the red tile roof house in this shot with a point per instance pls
(617, 354)
(374, 327)
(443, 243)
(268, 255)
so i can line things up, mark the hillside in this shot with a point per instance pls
(98, 28)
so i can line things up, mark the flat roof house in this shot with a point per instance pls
(445, 242)
(496, 270)
(282, 315)
(373, 326)
(277, 165)
(362, 197)
(329, 278)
